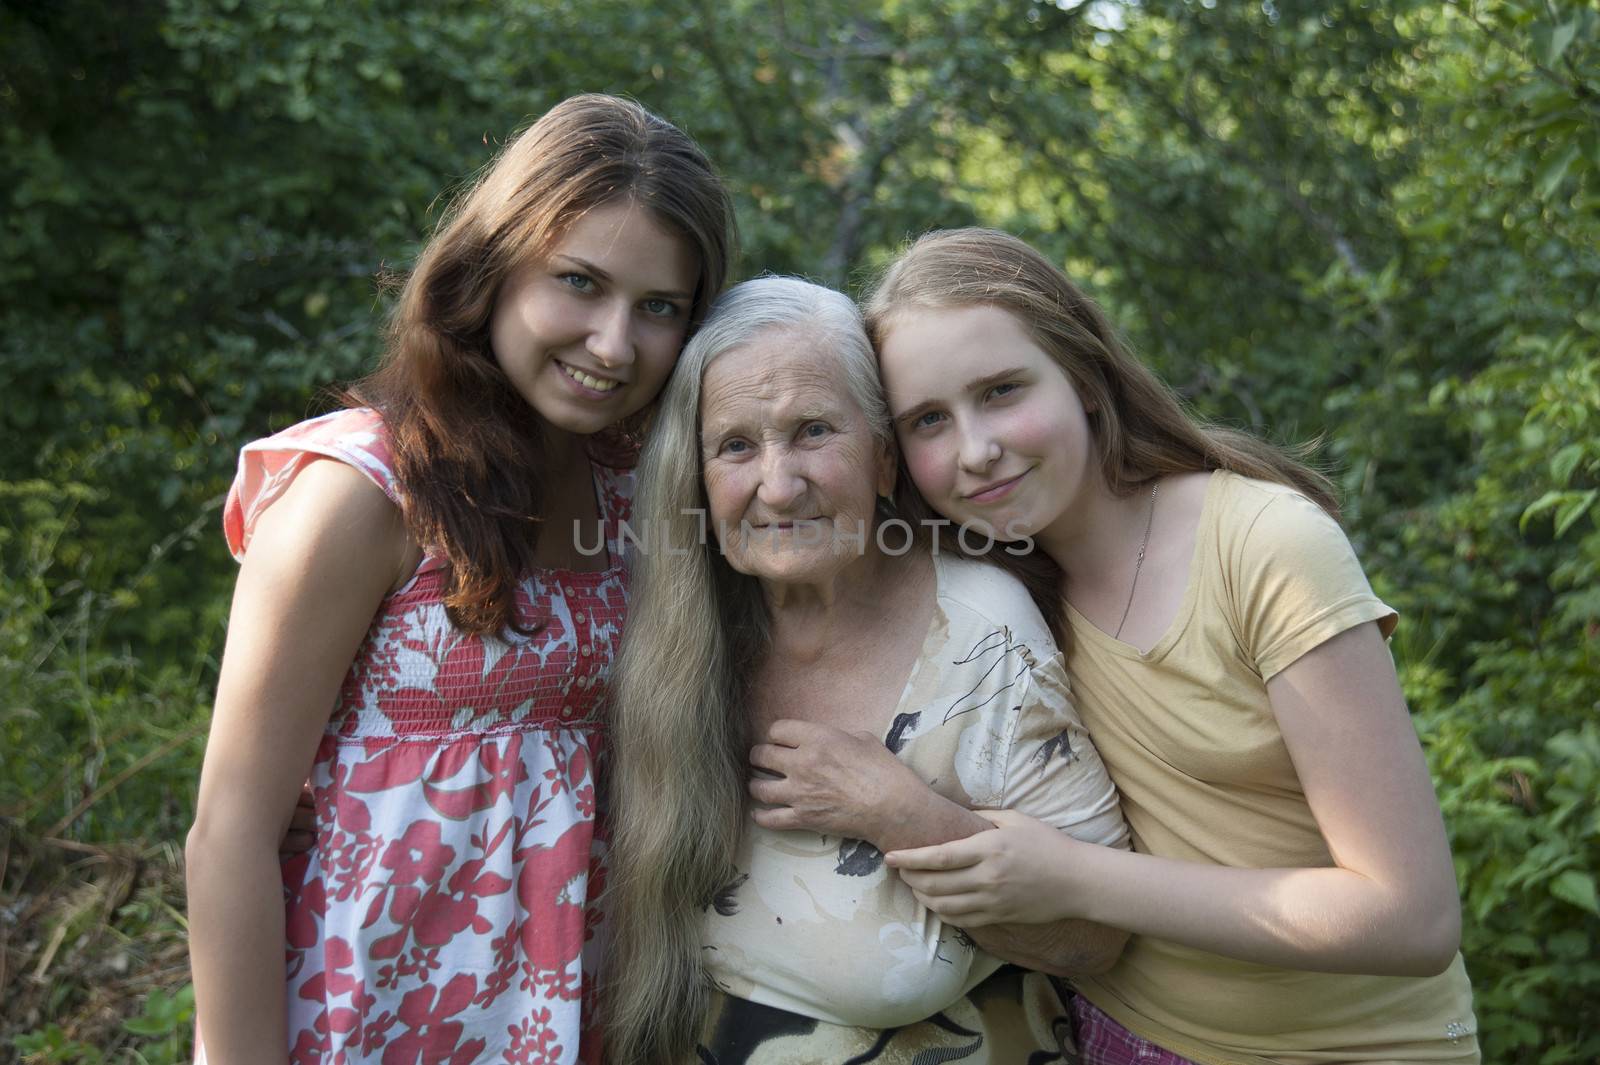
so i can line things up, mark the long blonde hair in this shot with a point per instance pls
(696, 633)
(1140, 427)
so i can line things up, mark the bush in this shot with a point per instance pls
(98, 747)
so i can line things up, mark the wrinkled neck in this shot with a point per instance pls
(810, 617)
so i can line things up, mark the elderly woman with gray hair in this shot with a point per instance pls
(786, 631)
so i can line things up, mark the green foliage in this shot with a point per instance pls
(1488, 537)
(165, 1022)
(93, 738)
(99, 745)
(52, 1044)
(1526, 837)
(1376, 223)
(108, 978)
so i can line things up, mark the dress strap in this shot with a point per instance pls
(356, 437)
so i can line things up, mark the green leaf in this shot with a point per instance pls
(1570, 943)
(1581, 608)
(1548, 501)
(1552, 172)
(1522, 945)
(1569, 507)
(1577, 888)
(148, 1026)
(1563, 462)
(1551, 41)
(1559, 1054)
(1573, 509)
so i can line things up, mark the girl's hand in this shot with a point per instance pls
(1015, 873)
(833, 782)
(302, 831)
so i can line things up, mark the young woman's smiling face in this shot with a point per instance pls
(589, 333)
(993, 433)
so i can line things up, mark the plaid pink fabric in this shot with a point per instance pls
(1102, 1041)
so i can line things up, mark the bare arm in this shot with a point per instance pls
(321, 561)
(850, 784)
(1388, 905)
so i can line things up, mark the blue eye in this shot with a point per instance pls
(927, 420)
(735, 447)
(816, 430)
(581, 282)
(661, 308)
(1003, 390)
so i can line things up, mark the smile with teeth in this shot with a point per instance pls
(597, 384)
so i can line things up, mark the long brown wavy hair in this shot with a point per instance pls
(468, 450)
(1141, 429)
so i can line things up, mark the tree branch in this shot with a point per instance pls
(862, 50)
(1343, 248)
(860, 187)
(706, 37)
(1581, 93)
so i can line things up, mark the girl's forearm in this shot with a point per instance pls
(236, 947)
(1324, 919)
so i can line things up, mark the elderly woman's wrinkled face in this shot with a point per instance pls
(792, 468)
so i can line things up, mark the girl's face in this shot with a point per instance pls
(993, 433)
(589, 334)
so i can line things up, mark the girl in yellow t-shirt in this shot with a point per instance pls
(1291, 893)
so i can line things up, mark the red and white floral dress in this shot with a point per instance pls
(448, 910)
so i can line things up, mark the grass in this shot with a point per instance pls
(94, 962)
(99, 752)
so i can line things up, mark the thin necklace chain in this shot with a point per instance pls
(1139, 565)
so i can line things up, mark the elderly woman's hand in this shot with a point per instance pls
(834, 782)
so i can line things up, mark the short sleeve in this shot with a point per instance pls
(1299, 584)
(1053, 771)
(268, 466)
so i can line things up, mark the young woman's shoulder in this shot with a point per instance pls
(1247, 497)
(1253, 517)
(1293, 577)
(313, 502)
(269, 465)
(331, 507)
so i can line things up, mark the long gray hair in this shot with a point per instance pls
(696, 632)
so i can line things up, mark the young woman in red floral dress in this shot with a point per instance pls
(416, 622)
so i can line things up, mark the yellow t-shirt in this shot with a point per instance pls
(1194, 748)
